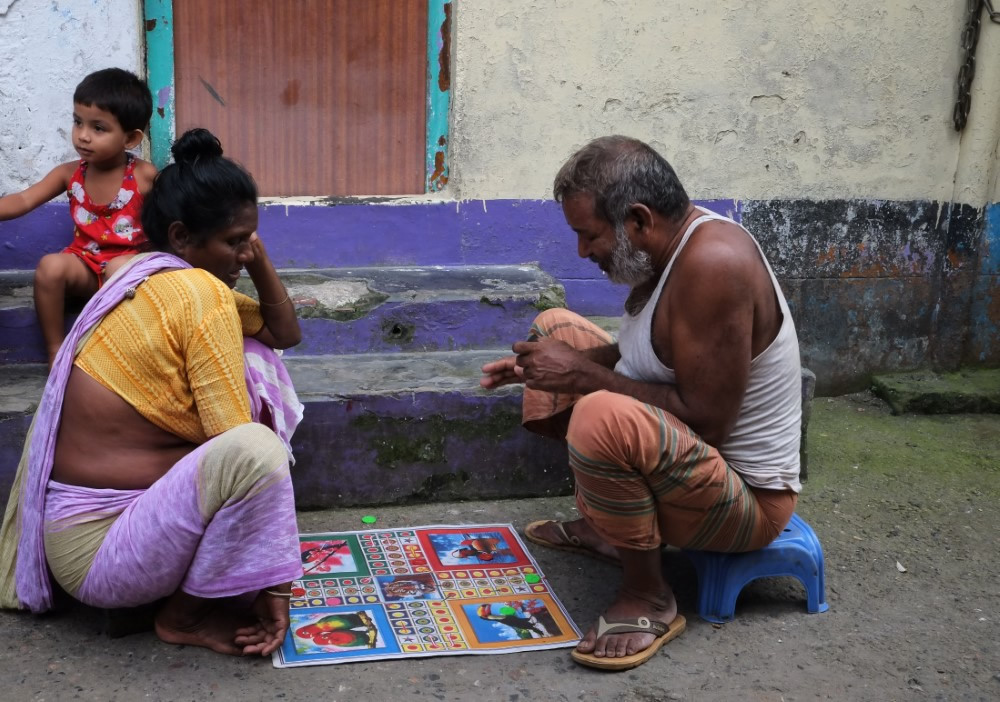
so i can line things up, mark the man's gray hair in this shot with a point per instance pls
(619, 172)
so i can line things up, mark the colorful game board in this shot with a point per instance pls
(424, 591)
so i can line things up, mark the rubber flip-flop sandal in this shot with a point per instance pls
(570, 544)
(642, 625)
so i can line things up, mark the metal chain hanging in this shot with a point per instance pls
(970, 39)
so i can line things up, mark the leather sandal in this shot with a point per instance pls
(569, 543)
(641, 625)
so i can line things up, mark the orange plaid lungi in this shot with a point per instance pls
(643, 477)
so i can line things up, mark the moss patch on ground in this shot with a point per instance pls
(858, 433)
(905, 507)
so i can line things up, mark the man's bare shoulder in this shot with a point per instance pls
(719, 253)
(705, 316)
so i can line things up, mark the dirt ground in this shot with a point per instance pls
(884, 494)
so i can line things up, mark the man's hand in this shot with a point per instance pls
(498, 373)
(550, 365)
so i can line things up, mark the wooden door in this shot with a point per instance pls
(313, 97)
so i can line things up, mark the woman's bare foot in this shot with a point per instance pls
(588, 539)
(661, 607)
(195, 621)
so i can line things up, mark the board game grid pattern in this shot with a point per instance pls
(422, 591)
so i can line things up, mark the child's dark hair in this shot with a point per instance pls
(119, 92)
(201, 189)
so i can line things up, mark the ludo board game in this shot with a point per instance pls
(423, 591)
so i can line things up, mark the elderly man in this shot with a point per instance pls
(686, 431)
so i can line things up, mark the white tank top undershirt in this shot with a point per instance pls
(763, 445)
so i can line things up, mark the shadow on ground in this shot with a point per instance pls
(914, 490)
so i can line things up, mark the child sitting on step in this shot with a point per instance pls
(111, 109)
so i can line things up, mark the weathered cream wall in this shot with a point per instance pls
(807, 99)
(46, 48)
(748, 99)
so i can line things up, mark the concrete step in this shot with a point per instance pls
(925, 392)
(385, 429)
(360, 310)
(378, 429)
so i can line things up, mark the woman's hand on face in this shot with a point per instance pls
(281, 326)
(261, 262)
(257, 246)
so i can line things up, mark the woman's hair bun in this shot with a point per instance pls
(196, 144)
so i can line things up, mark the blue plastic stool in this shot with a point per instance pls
(721, 576)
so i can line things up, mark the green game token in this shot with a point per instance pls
(532, 578)
(507, 611)
(368, 519)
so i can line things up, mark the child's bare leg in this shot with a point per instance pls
(114, 264)
(57, 276)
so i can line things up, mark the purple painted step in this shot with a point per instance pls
(378, 429)
(361, 310)
(385, 428)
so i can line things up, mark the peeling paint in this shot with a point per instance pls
(984, 342)
(439, 37)
(444, 55)
(439, 177)
(163, 96)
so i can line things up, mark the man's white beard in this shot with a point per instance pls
(628, 265)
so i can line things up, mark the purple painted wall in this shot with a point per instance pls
(371, 234)
(874, 285)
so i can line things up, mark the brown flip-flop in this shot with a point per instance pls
(570, 543)
(642, 625)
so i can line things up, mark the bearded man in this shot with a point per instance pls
(684, 432)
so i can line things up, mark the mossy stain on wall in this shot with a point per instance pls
(400, 441)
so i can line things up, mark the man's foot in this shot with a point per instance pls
(576, 536)
(631, 605)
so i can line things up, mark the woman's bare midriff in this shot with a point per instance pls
(103, 442)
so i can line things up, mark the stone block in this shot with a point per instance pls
(925, 392)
